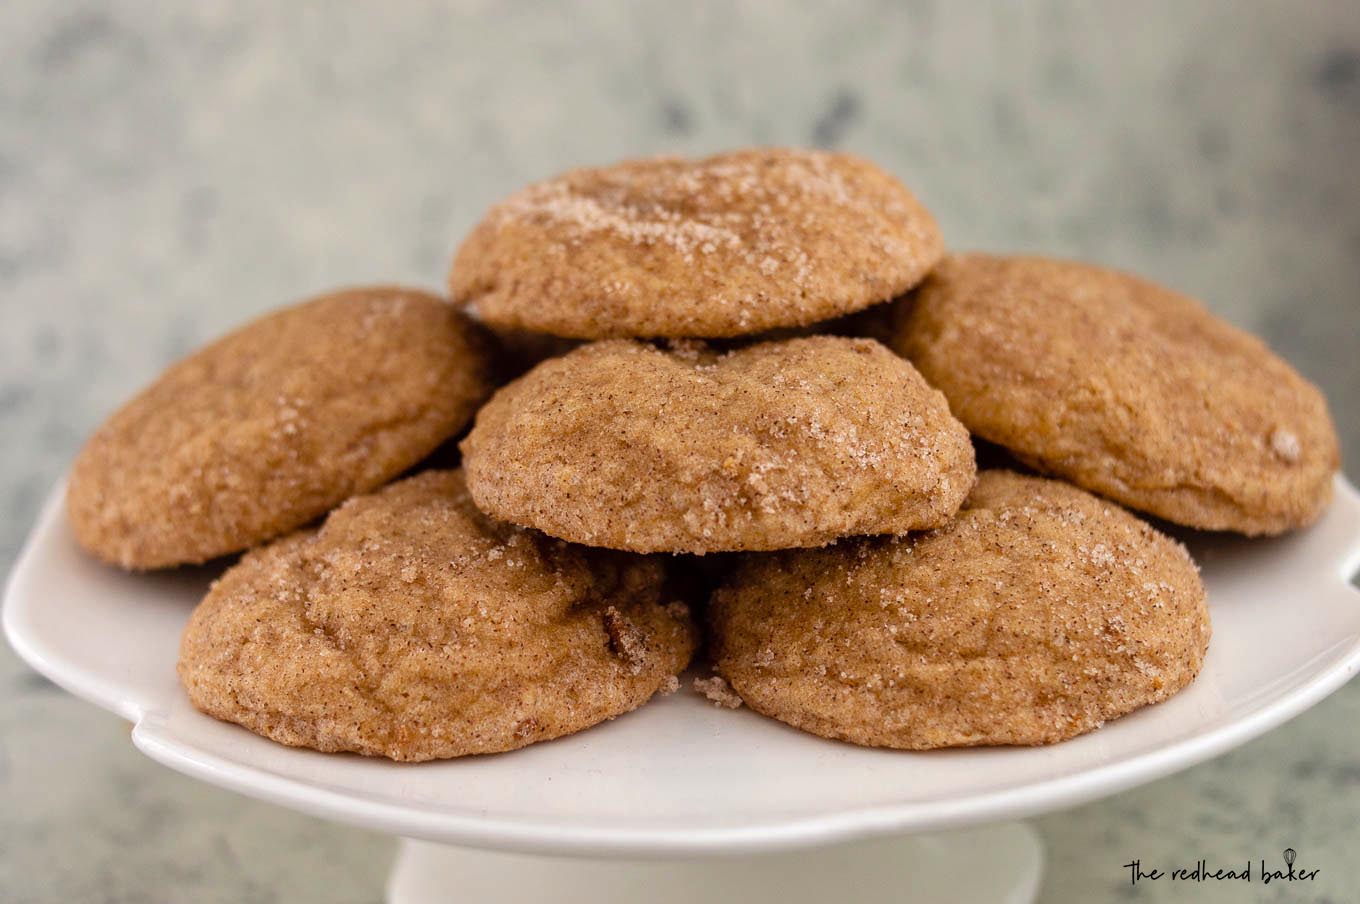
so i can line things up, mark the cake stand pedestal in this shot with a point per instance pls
(996, 864)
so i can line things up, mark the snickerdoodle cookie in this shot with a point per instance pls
(1037, 614)
(1125, 388)
(274, 424)
(413, 627)
(687, 449)
(728, 245)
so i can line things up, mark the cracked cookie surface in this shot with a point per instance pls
(728, 245)
(1040, 612)
(794, 442)
(1124, 388)
(411, 626)
(274, 424)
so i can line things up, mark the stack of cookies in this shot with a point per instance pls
(743, 418)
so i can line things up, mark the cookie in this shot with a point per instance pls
(410, 626)
(798, 442)
(728, 245)
(1125, 388)
(1039, 613)
(274, 424)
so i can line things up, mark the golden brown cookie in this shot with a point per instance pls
(1038, 614)
(684, 449)
(1125, 388)
(728, 245)
(276, 423)
(411, 626)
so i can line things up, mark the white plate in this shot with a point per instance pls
(681, 777)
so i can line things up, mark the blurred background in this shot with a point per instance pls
(167, 171)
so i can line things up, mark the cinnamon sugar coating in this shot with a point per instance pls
(411, 626)
(684, 449)
(276, 423)
(1124, 388)
(1039, 613)
(728, 245)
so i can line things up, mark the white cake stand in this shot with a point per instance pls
(680, 799)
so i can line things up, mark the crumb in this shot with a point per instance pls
(625, 640)
(1285, 444)
(717, 689)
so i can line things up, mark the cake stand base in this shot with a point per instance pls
(988, 865)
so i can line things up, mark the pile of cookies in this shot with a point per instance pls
(726, 404)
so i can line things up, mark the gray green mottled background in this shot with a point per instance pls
(167, 171)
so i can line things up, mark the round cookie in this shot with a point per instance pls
(1038, 614)
(667, 247)
(685, 449)
(276, 423)
(1125, 388)
(413, 627)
